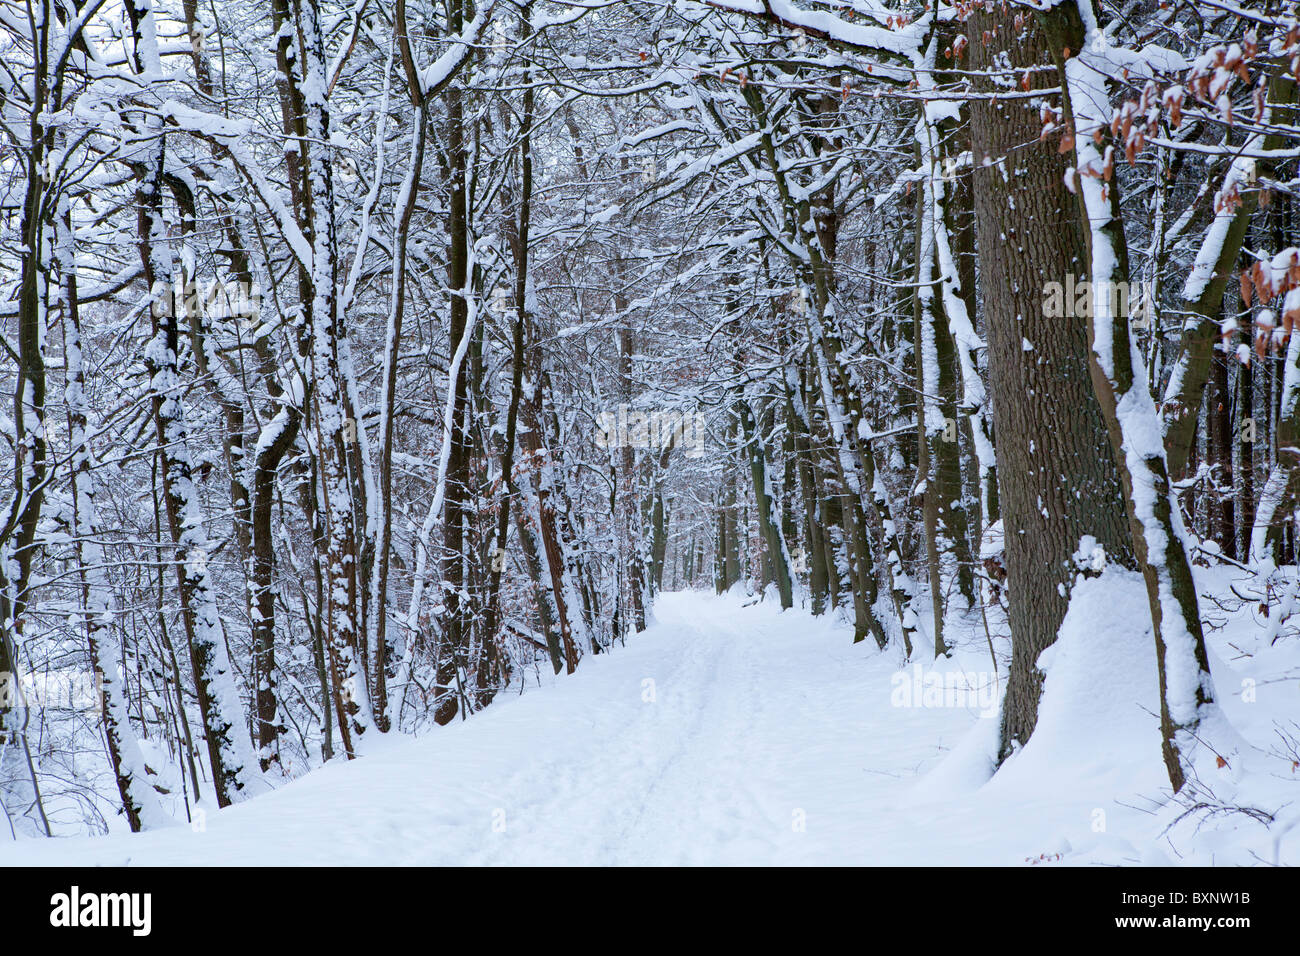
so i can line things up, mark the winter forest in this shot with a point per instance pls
(710, 417)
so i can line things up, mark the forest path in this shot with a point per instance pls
(725, 734)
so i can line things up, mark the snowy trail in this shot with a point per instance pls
(724, 734)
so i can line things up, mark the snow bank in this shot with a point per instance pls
(1098, 722)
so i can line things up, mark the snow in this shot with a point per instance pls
(442, 70)
(1279, 474)
(898, 42)
(1095, 729)
(730, 733)
(1240, 173)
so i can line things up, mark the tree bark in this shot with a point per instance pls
(1057, 478)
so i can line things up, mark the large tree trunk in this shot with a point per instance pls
(1188, 712)
(1057, 479)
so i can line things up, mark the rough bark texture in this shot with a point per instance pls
(1057, 479)
(455, 623)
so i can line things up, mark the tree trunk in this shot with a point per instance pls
(772, 541)
(1057, 478)
(1187, 705)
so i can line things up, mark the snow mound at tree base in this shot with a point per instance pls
(1093, 766)
(1098, 721)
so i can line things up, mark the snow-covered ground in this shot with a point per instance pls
(730, 733)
